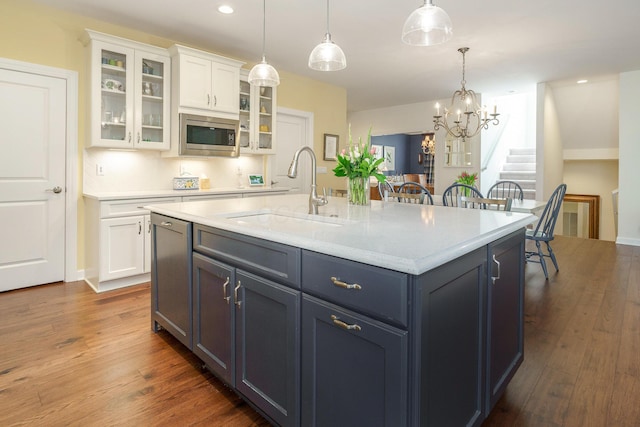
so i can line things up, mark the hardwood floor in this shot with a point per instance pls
(69, 356)
(582, 341)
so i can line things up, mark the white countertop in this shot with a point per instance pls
(141, 194)
(401, 237)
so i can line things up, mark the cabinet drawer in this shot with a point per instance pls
(268, 259)
(381, 293)
(128, 207)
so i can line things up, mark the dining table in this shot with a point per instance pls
(523, 206)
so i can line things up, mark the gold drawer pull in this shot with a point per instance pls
(342, 284)
(343, 325)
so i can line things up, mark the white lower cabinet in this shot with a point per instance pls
(118, 241)
(118, 237)
(123, 244)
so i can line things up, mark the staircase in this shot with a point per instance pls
(520, 167)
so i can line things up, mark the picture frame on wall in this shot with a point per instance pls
(390, 158)
(330, 146)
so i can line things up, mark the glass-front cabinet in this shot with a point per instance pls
(129, 88)
(257, 117)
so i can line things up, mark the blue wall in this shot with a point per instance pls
(407, 149)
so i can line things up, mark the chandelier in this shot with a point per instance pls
(466, 116)
(428, 144)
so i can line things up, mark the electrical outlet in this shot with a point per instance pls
(321, 169)
(183, 169)
(99, 170)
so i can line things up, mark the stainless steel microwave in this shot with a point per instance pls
(209, 136)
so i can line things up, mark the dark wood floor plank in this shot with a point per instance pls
(628, 362)
(591, 398)
(625, 404)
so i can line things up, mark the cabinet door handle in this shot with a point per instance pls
(149, 228)
(224, 291)
(343, 325)
(129, 136)
(345, 285)
(138, 137)
(166, 223)
(208, 99)
(215, 100)
(139, 227)
(494, 278)
(235, 295)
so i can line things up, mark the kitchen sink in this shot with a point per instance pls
(287, 220)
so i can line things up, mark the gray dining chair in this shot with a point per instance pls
(486, 203)
(543, 231)
(506, 189)
(384, 187)
(450, 195)
(413, 192)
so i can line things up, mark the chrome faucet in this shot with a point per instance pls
(314, 199)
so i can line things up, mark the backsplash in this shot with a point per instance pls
(147, 170)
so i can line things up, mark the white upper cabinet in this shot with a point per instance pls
(204, 83)
(257, 117)
(129, 94)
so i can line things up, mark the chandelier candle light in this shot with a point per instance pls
(469, 117)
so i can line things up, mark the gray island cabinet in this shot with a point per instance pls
(312, 337)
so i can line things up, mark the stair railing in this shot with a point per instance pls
(494, 144)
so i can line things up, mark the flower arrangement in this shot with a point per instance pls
(358, 162)
(466, 178)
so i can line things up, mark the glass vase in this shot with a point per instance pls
(358, 192)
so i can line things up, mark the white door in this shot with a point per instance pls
(32, 179)
(295, 130)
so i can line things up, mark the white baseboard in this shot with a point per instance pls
(627, 241)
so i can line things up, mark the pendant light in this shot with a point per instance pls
(263, 74)
(426, 26)
(327, 56)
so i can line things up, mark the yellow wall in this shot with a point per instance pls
(46, 36)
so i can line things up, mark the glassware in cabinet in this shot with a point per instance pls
(257, 117)
(129, 93)
(113, 79)
(153, 101)
(245, 114)
(265, 135)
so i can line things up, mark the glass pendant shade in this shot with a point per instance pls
(263, 74)
(327, 56)
(426, 26)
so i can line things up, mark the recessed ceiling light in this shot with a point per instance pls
(226, 9)
(581, 81)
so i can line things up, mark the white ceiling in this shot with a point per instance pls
(513, 44)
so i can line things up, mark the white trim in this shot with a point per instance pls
(71, 272)
(591, 154)
(627, 241)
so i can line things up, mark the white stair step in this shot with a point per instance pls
(522, 151)
(529, 194)
(526, 184)
(518, 175)
(508, 167)
(521, 159)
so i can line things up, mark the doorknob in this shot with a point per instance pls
(56, 189)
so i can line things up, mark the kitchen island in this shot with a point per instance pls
(390, 315)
